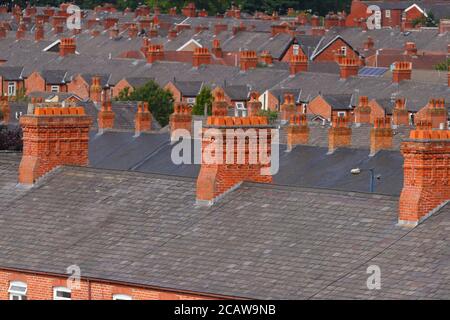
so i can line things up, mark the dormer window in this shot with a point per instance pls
(17, 290)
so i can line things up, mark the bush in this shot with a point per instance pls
(204, 98)
(160, 101)
(10, 138)
(271, 115)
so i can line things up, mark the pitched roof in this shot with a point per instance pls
(54, 76)
(188, 88)
(120, 233)
(11, 73)
(339, 101)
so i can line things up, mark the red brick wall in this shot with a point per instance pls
(394, 20)
(122, 84)
(290, 53)
(34, 83)
(19, 86)
(329, 53)
(413, 14)
(40, 287)
(318, 106)
(175, 92)
(358, 10)
(376, 111)
(79, 87)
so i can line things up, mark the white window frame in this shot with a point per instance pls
(387, 13)
(13, 292)
(122, 297)
(341, 113)
(344, 51)
(61, 289)
(54, 88)
(190, 100)
(296, 49)
(11, 88)
(240, 106)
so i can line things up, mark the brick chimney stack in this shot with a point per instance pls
(53, 137)
(132, 31)
(402, 71)
(39, 32)
(96, 90)
(201, 56)
(143, 119)
(189, 10)
(106, 116)
(288, 108)
(21, 30)
(172, 33)
(5, 109)
(448, 77)
(410, 49)
(219, 105)
(181, 118)
(3, 32)
(67, 46)
(315, 21)
(340, 134)
(266, 58)
(369, 44)
(348, 67)
(436, 113)
(216, 49)
(254, 106)
(426, 173)
(362, 111)
(297, 131)
(173, 11)
(220, 27)
(248, 60)
(219, 175)
(400, 114)
(297, 64)
(155, 52)
(381, 135)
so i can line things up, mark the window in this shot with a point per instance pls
(190, 100)
(344, 51)
(11, 88)
(17, 290)
(54, 88)
(296, 49)
(341, 113)
(62, 293)
(240, 106)
(121, 297)
(388, 13)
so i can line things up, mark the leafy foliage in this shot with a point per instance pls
(10, 138)
(204, 98)
(160, 101)
(271, 115)
(443, 66)
(429, 21)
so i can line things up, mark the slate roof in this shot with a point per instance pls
(146, 229)
(237, 92)
(11, 73)
(188, 88)
(339, 101)
(54, 76)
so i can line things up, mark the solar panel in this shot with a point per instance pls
(372, 72)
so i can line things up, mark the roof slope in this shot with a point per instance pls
(260, 241)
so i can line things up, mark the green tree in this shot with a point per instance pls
(428, 21)
(160, 101)
(443, 66)
(204, 98)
